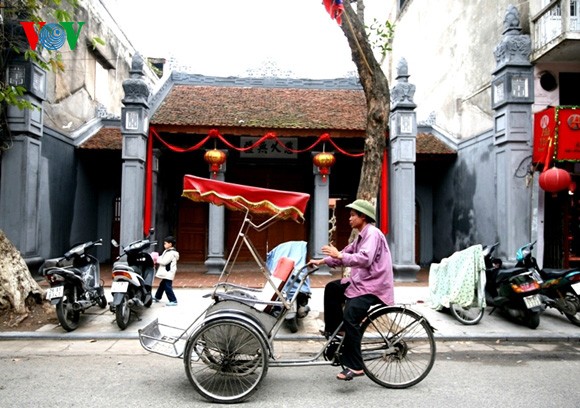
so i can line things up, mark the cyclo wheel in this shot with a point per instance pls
(467, 315)
(398, 347)
(226, 360)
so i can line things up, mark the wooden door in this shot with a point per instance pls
(280, 231)
(192, 231)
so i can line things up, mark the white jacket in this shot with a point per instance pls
(169, 257)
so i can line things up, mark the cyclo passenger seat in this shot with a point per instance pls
(279, 277)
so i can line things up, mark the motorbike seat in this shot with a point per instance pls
(123, 267)
(551, 273)
(505, 274)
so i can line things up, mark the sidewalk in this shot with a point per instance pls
(190, 287)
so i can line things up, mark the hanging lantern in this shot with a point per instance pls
(215, 158)
(324, 161)
(555, 179)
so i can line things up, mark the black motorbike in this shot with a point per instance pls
(515, 292)
(133, 275)
(559, 288)
(75, 284)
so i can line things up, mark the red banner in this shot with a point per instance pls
(557, 135)
(568, 136)
(544, 125)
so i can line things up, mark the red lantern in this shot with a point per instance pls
(324, 161)
(554, 180)
(215, 158)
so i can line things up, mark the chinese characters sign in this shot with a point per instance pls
(561, 127)
(270, 148)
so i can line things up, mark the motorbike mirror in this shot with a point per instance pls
(151, 232)
(114, 243)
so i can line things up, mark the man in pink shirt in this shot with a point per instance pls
(370, 282)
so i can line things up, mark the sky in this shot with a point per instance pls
(229, 37)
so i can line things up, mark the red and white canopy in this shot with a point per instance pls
(258, 200)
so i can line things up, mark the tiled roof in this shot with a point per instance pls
(428, 144)
(107, 138)
(111, 139)
(261, 107)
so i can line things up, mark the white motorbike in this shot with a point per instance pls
(133, 275)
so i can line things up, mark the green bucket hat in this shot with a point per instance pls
(364, 207)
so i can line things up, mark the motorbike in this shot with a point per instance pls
(132, 280)
(515, 292)
(295, 250)
(75, 284)
(559, 288)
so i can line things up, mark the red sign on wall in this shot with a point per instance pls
(568, 140)
(559, 126)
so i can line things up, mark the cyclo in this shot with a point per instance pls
(229, 347)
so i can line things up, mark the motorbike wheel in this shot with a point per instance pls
(102, 302)
(123, 313)
(467, 315)
(67, 317)
(532, 319)
(573, 298)
(292, 324)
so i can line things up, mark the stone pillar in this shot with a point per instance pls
(319, 223)
(403, 138)
(512, 98)
(215, 261)
(134, 127)
(20, 186)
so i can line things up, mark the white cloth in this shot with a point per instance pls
(458, 279)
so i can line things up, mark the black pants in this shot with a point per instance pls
(338, 308)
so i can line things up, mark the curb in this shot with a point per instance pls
(284, 337)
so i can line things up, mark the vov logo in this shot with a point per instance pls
(52, 36)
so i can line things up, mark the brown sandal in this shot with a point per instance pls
(347, 374)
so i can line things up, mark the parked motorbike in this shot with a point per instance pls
(75, 284)
(515, 292)
(559, 288)
(295, 250)
(133, 275)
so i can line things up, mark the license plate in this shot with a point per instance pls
(55, 292)
(576, 287)
(119, 287)
(532, 301)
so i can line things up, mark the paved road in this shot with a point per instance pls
(79, 373)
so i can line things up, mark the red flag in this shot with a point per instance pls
(335, 9)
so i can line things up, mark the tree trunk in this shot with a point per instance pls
(17, 286)
(376, 89)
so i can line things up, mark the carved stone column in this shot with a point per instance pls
(403, 138)
(216, 261)
(320, 217)
(512, 97)
(134, 127)
(21, 163)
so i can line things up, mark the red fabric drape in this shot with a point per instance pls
(214, 133)
(148, 185)
(385, 194)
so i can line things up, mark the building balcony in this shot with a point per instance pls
(556, 32)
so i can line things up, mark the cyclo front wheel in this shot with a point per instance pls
(398, 347)
(226, 360)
